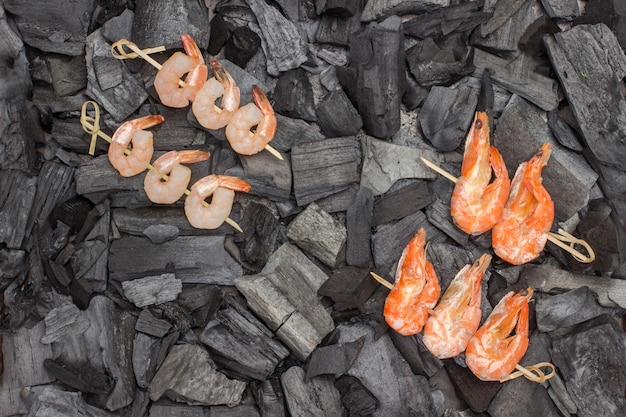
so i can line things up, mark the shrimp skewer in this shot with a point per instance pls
(522, 232)
(135, 160)
(168, 181)
(457, 316)
(210, 216)
(492, 354)
(220, 85)
(415, 290)
(476, 205)
(168, 79)
(259, 114)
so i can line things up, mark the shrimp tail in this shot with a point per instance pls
(261, 101)
(232, 96)
(234, 183)
(193, 156)
(191, 48)
(497, 163)
(147, 121)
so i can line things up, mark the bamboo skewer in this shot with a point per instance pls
(381, 280)
(118, 52)
(91, 125)
(560, 239)
(532, 372)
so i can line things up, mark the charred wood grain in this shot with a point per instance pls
(83, 377)
(336, 115)
(268, 176)
(151, 325)
(358, 228)
(17, 196)
(334, 359)
(318, 395)
(394, 205)
(349, 287)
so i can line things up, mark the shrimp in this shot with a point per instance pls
(223, 190)
(491, 353)
(132, 133)
(457, 316)
(168, 191)
(415, 290)
(476, 205)
(261, 115)
(521, 234)
(220, 85)
(168, 77)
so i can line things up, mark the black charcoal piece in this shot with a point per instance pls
(476, 393)
(563, 132)
(189, 375)
(394, 205)
(502, 12)
(377, 59)
(324, 167)
(334, 359)
(83, 377)
(151, 290)
(336, 30)
(563, 310)
(589, 62)
(317, 396)
(446, 116)
(159, 233)
(11, 264)
(419, 358)
(72, 212)
(269, 397)
(220, 32)
(357, 399)
(294, 131)
(284, 296)
(562, 10)
(54, 401)
(358, 227)
(119, 27)
(431, 64)
(260, 234)
(69, 75)
(242, 45)
(18, 190)
(446, 20)
(438, 214)
(149, 324)
(268, 176)
(293, 96)
(337, 116)
(63, 320)
(349, 287)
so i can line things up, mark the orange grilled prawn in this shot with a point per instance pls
(493, 353)
(457, 316)
(522, 232)
(415, 290)
(476, 205)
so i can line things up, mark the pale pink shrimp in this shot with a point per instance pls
(167, 80)
(222, 188)
(140, 153)
(457, 316)
(238, 132)
(220, 85)
(167, 191)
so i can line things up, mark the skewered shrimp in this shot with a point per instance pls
(522, 232)
(476, 205)
(457, 316)
(222, 188)
(220, 85)
(168, 191)
(168, 77)
(491, 353)
(415, 290)
(132, 133)
(261, 115)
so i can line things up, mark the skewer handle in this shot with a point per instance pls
(381, 280)
(439, 170)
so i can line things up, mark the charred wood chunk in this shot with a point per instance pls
(324, 167)
(17, 196)
(152, 289)
(269, 397)
(476, 393)
(57, 402)
(151, 325)
(82, 376)
(394, 205)
(268, 177)
(72, 212)
(69, 75)
(284, 295)
(563, 310)
(334, 359)
(417, 355)
(241, 343)
(502, 12)
(189, 375)
(294, 131)
(589, 62)
(53, 27)
(339, 21)
(12, 262)
(319, 234)
(260, 234)
(375, 10)
(446, 20)
(145, 355)
(609, 12)
(432, 64)
(349, 287)
(358, 227)
(63, 320)
(220, 33)
(172, 19)
(317, 395)
(293, 95)
(438, 214)
(337, 116)
(355, 396)
(341, 8)
(377, 56)
(446, 116)
(565, 170)
(242, 45)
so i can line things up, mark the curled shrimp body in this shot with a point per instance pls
(457, 315)
(259, 114)
(168, 191)
(168, 77)
(141, 146)
(476, 205)
(222, 188)
(492, 353)
(415, 290)
(221, 85)
(522, 232)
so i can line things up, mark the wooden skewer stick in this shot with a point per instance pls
(381, 280)
(91, 125)
(556, 238)
(532, 372)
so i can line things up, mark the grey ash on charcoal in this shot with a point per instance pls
(113, 306)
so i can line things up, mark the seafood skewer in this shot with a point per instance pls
(493, 353)
(91, 125)
(476, 205)
(457, 316)
(522, 232)
(220, 85)
(415, 290)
